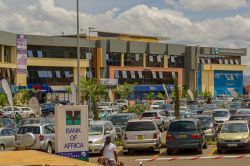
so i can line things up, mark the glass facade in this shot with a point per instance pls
(113, 59)
(176, 61)
(133, 59)
(50, 75)
(57, 52)
(154, 60)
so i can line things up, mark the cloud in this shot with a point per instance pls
(44, 17)
(209, 5)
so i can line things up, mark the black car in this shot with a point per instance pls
(240, 117)
(47, 109)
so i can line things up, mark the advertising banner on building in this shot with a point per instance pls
(72, 131)
(21, 53)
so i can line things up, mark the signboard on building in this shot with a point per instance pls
(21, 53)
(72, 131)
(241, 51)
(105, 81)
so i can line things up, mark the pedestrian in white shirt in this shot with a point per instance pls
(109, 151)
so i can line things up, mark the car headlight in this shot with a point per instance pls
(244, 140)
(219, 140)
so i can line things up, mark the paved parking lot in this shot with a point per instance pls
(129, 160)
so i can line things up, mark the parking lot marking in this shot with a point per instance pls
(212, 152)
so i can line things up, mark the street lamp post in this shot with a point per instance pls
(90, 71)
(78, 55)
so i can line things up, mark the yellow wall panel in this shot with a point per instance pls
(21, 79)
(224, 67)
(208, 81)
(82, 74)
(56, 62)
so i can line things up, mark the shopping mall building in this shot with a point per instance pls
(146, 61)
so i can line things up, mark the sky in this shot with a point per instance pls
(218, 23)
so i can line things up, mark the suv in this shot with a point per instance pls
(141, 134)
(36, 136)
(185, 134)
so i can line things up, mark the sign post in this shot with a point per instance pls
(72, 131)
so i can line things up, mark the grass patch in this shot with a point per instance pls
(210, 142)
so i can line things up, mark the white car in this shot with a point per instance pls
(98, 131)
(141, 134)
(108, 106)
(24, 112)
(122, 103)
(220, 116)
(156, 104)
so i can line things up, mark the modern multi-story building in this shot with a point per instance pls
(141, 60)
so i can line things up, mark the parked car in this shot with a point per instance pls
(156, 104)
(185, 134)
(141, 134)
(122, 103)
(165, 107)
(24, 112)
(233, 107)
(159, 116)
(120, 121)
(47, 108)
(104, 115)
(243, 111)
(36, 136)
(193, 108)
(7, 137)
(98, 131)
(209, 126)
(234, 135)
(108, 107)
(219, 103)
(240, 117)
(7, 123)
(220, 116)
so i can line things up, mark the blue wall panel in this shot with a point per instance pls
(223, 80)
(199, 78)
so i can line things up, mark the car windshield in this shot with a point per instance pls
(120, 101)
(211, 106)
(6, 122)
(182, 126)
(95, 129)
(29, 129)
(192, 107)
(234, 128)
(206, 121)
(220, 114)
(236, 106)
(140, 126)
(119, 120)
(240, 118)
(104, 104)
(165, 106)
(149, 114)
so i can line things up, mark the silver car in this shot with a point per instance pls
(36, 136)
(141, 134)
(98, 131)
(220, 116)
(7, 137)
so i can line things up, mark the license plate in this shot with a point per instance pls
(140, 137)
(182, 136)
(232, 145)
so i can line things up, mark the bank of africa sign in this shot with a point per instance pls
(72, 131)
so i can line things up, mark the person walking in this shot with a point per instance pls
(109, 152)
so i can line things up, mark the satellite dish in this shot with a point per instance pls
(35, 106)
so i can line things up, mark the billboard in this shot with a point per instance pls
(21, 53)
(72, 131)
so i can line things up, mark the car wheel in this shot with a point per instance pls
(49, 148)
(169, 151)
(199, 150)
(2, 147)
(205, 146)
(32, 116)
(219, 151)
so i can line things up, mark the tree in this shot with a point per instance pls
(68, 90)
(177, 99)
(22, 97)
(124, 90)
(161, 96)
(91, 90)
(150, 96)
(184, 92)
(3, 99)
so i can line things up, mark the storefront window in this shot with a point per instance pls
(113, 59)
(133, 59)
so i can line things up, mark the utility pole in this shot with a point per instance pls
(78, 55)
